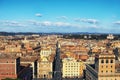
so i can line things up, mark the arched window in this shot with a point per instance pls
(107, 61)
(111, 61)
(102, 61)
(102, 71)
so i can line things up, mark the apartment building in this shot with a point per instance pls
(104, 68)
(72, 68)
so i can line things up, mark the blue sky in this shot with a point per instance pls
(60, 16)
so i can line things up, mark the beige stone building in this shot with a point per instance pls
(103, 69)
(44, 68)
(72, 68)
(45, 52)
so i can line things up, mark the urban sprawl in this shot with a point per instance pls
(54, 57)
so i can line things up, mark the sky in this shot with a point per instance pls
(101, 16)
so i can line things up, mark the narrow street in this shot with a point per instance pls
(57, 71)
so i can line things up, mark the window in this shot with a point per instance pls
(107, 61)
(102, 71)
(111, 70)
(111, 61)
(102, 61)
(106, 71)
(111, 66)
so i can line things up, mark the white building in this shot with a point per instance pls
(72, 68)
(45, 52)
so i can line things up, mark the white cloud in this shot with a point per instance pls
(43, 23)
(38, 15)
(46, 23)
(34, 22)
(94, 26)
(61, 24)
(117, 22)
(91, 21)
(12, 23)
(45, 26)
(62, 17)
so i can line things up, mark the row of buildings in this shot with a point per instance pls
(32, 57)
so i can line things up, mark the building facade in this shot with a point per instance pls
(72, 68)
(45, 69)
(45, 52)
(103, 69)
(9, 67)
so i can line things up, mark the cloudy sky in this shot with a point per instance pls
(60, 16)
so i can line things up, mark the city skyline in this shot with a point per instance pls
(100, 16)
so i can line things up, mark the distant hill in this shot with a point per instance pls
(50, 33)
